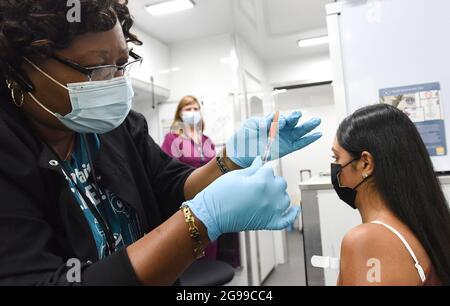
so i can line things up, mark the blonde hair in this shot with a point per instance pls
(177, 124)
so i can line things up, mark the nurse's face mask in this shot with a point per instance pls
(99, 105)
(346, 194)
(191, 117)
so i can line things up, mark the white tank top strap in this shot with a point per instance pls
(408, 247)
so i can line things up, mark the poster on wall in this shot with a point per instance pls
(422, 103)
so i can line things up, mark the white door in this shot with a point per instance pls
(266, 253)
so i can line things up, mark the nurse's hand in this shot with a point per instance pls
(243, 200)
(251, 138)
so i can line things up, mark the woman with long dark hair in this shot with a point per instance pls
(382, 168)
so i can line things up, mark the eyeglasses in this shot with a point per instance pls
(104, 72)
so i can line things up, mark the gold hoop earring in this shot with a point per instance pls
(13, 89)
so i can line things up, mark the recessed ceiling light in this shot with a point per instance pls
(168, 7)
(313, 41)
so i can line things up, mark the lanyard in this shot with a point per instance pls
(199, 148)
(110, 240)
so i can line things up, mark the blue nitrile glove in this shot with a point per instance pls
(251, 138)
(243, 200)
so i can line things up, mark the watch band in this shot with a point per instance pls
(194, 233)
(221, 163)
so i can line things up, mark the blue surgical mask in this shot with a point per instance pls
(97, 106)
(191, 117)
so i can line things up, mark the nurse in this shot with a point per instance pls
(186, 140)
(82, 183)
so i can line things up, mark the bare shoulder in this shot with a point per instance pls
(363, 241)
(365, 237)
(373, 255)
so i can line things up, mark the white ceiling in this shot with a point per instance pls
(271, 27)
(209, 17)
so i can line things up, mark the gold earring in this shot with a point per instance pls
(13, 89)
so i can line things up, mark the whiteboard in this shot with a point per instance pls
(395, 43)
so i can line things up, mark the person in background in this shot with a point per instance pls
(187, 143)
(186, 140)
(382, 168)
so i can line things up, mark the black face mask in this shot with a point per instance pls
(346, 194)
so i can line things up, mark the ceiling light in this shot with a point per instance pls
(278, 91)
(168, 7)
(313, 41)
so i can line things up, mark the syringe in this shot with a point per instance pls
(272, 134)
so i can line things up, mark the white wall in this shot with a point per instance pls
(312, 102)
(253, 67)
(204, 73)
(156, 59)
(201, 70)
(300, 70)
(188, 68)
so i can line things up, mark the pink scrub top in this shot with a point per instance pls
(187, 151)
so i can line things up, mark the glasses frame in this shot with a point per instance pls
(89, 71)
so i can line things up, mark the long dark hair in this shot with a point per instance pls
(403, 175)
